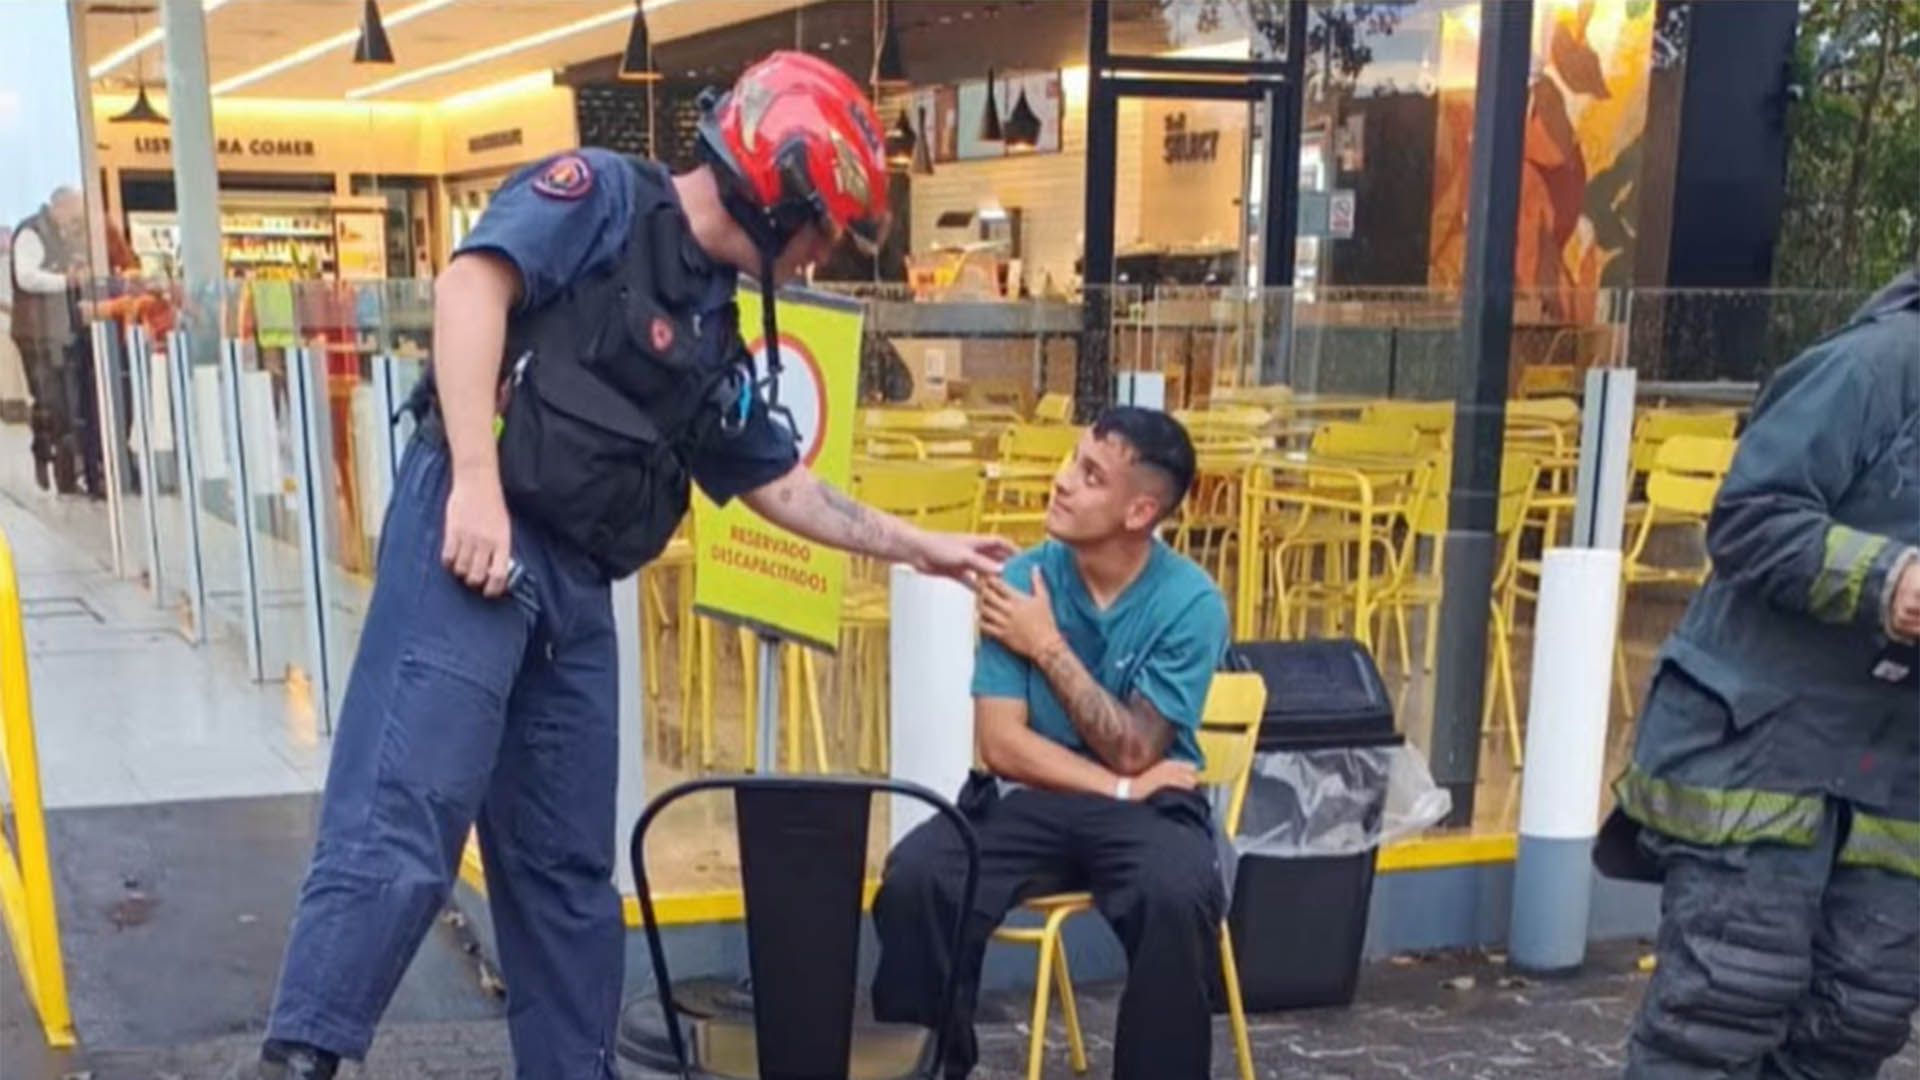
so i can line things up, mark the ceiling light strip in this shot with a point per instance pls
(592, 22)
(325, 45)
(141, 44)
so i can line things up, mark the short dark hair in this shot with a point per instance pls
(1158, 441)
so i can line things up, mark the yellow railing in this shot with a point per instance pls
(26, 876)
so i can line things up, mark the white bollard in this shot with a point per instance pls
(930, 689)
(1566, 757)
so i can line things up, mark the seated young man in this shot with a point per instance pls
(1098, 648)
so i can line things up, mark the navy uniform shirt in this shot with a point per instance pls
(559, 221)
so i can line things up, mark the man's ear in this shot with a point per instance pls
(1143, 512)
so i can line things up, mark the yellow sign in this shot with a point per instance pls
(746, 569)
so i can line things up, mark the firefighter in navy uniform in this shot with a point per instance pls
(587, 367)
(1776, 774)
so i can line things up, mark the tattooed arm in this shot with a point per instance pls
(1127, 736)
(802, 503)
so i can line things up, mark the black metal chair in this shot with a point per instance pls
(803, 847)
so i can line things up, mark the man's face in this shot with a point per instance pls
(1101, 492)
(809, 246)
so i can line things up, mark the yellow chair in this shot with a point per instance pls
(1432, 419)
(1409, 586)
(1654, 427)
(940, 496)
(1546, 380)
(1681, 488)
(1229, 725)
(1038, 444)
(1351, 438)
(1053, 409)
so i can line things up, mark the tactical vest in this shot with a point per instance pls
(611, 385)
(41, 318)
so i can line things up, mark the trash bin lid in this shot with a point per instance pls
(1319, 694)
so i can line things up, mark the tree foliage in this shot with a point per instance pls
(1852, 217)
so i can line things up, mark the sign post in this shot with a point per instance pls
(751, 572)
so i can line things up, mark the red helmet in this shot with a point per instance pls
(797, 143)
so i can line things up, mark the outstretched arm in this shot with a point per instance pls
(802, 503)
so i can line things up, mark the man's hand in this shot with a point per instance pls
(479, 535)
(1167, 775)
(1903, 615)
(1024, 624)
(963, 558)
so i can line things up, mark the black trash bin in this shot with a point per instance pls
(1299, 921)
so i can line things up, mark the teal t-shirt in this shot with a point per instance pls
(1162, 638)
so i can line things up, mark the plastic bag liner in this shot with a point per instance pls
(1340, 801)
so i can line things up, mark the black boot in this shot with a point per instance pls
(43, 473)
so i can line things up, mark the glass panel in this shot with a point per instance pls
(267, 334)
(1194, 29)
(216, 443)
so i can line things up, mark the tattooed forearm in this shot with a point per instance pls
(866, 531)
(807, 505)
(1127, 737)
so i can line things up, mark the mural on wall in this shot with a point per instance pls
(1580, 176)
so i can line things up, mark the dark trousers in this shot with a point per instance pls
(1777, 961)
(460, 710)
(1154, 874)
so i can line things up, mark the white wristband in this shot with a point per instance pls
(1124, 789)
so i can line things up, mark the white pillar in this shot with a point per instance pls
(930, 639)
(196, 171)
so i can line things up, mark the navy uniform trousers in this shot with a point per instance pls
(1154, 874)
(459, 710)
(1777, 963)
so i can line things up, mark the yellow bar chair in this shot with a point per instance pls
(1229, 726)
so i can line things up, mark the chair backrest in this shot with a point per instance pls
(941, 496)
(1042, 444)
(913, 420)
(1426, 417)
(1427, 513)
(1540, 379)
(1053, 409)
(1554, 410)
(1687, 473)
(1655, 426)
(1229, 727)
(1698, 454)
(803, 850)
(1374, 440)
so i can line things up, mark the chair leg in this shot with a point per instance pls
(705, 647)
(811, 676)
(1069, 1008)
(1620, 687)
(1236, 1009)
(1042, 989)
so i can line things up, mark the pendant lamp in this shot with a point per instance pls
(901, 143)
(990, 119)
(1023, 125)
(142, 111)
(373, 46)
(890, 63)
(636, 61)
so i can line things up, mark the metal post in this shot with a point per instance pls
(187, 469)
(630, 794)
(769, 720)
(1506, 42)
(107, 414)
(1093, 375)
(1280, 205)
(140, 367)
(387, 436)
(309, 400)
(242, 490)
(1606, 445)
